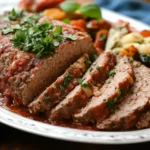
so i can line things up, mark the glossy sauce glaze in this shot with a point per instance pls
(7, 104)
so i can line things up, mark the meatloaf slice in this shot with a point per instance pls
(25, 86)
(92, 81)
(137, 101)
(144, 121)
(61, 87)
(98, 108)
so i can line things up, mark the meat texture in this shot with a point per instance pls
(144, 121)
(136, 102)
(112, 92)
(22, 73)
(61, 87)
(92, 82)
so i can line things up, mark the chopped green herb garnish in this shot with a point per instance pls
(61, 87)
(86, 61)
(32, 36)
(46, 96)
(98, 68)
(85, 85)
(111, 104)
(93, 57)
(66, 20)
(122, 93)
(111, 73)
(91, 69)
(102, 37)
(11, 29)
(71, 36)
(67, 79)
(57, 31)
(14, 15)
(80, 81)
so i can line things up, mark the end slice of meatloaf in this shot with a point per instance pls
(131, 108)
(92, 80)
(61, 87)
(144, 121)
(26, 86)
(13, 61)
(98, 108)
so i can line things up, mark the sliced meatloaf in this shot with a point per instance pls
(92, 82)
(25, 85)
(61, 87)
(144, 121)
(137, 101)
(98, 108)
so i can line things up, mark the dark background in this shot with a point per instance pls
(12, 139)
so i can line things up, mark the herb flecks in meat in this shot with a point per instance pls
(84, 85)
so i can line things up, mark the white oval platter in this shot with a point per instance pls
(68, 134)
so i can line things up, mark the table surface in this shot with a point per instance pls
(12, 139)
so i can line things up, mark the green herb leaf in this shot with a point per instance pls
(85, 85)
(98, 68)
(19, 38)
(91, 10)
(71, 37)
(67, 79)
(80, 81)
(91, 69)
(66, 20)
(93, 57)
(56, 43)
(61, 87)
(14, 15)
(58, 30)
(102, 37)
(39, 38)
(11, 29)
(111, 73)
(69, 6)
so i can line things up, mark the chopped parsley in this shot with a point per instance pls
(61, 87)
(66, 20)
(11, 29)
(67, 79)
(102, 37)
(46, 97)
(111, 73)
(110, 104)
(93, 57)
(91, 69)
(80, 81)
(98, 68)
(85, 85)
(31, 36)
(15, 15)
